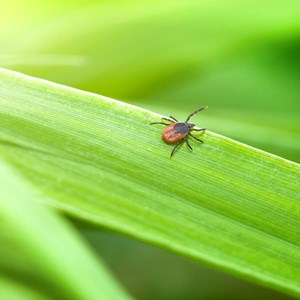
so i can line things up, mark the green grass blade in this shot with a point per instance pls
(42, 251)
(13, 290)
(97, 159)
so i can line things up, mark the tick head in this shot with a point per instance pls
(191, 125)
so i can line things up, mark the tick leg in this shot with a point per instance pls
(198, 129)
(187, 142)
(162, 123)
(170, 119)
(176, 146)
(193, 113)
(173, 119)
(195, 138)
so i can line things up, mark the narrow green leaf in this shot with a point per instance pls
(97, 159)
(40, 249)
(11, 290)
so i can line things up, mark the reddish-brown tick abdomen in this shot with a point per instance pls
(169, 134)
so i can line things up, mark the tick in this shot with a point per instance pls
(179, 131)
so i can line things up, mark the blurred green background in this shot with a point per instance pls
(241, 58)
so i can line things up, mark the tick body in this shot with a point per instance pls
(175, 132)
(179, 131)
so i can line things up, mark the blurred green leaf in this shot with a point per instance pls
(12, 290)
(97, 159)
(40, 255)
